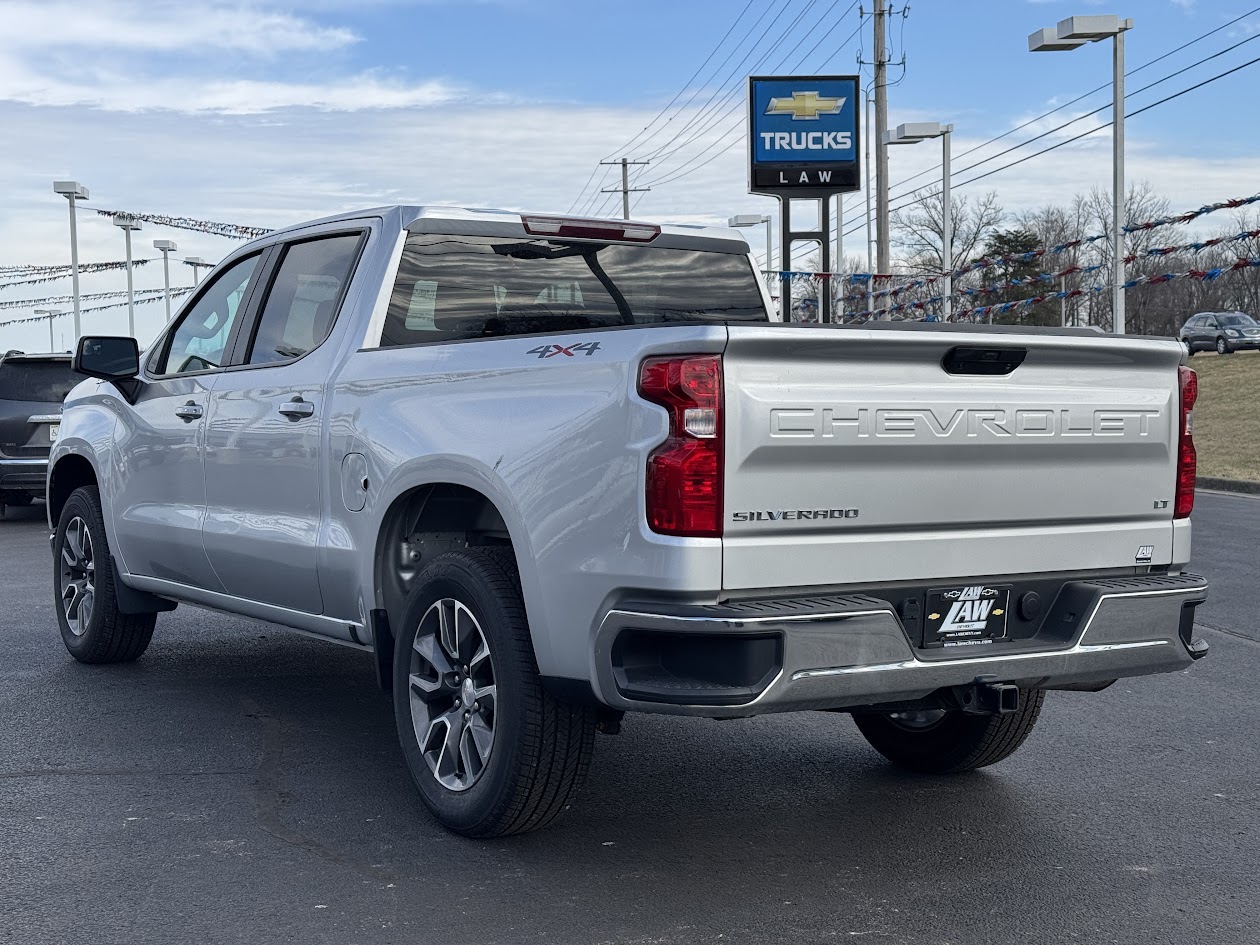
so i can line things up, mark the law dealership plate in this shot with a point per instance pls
(972, 615)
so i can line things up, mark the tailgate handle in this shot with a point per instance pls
(973, 359)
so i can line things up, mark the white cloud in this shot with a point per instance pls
(120, 55)
(123, 92)
(163, 26)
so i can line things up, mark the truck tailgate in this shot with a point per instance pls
(854, 456)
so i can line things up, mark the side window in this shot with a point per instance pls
(302, 302)
(198, 342)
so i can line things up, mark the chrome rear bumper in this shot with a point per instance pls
(839, 652)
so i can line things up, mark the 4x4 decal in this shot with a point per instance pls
(569, 351)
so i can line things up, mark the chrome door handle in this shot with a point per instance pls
(189, 412)
(297, 408)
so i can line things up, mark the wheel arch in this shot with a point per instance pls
(70, 471)
(428, 518)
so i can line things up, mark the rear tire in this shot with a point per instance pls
(93, 629)
(1189, 349)
(954, 741)
(490, 751)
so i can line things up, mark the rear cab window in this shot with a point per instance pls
(461, 287)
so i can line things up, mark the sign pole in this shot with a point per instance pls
(824, 284)
(785, 257)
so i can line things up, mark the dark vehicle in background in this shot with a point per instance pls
(1222, 332)
(32, 387)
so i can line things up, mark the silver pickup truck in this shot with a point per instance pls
(551, 470)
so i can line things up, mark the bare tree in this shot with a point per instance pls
(918, 229)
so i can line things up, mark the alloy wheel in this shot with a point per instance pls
(78, 576)
(453, 694)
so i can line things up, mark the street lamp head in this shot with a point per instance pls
(1047, 40)
(47, 311)
(126, 221)
(195, 261)
(912, 132)
(1077, 31)
(166, 246)
(1091, 28)
(746, 219)
(70, 189)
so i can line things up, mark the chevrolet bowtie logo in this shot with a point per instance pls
(805, 105)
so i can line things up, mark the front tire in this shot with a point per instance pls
(1222, 347)
(489, 750)
(947, 742)
(93, 629)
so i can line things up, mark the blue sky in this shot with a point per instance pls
(268, 112)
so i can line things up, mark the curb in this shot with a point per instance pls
(1244, 486)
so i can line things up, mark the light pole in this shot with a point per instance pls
(51, 313)
(1077, 31)
(126, 222)
(912, 133)
(752, 219)
(166, 247)
(72, 190)
(197, 264)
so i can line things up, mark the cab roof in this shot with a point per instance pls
(477, 221)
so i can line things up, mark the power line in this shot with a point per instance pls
(678, 172)
(709, 117)
(1085, 95)
(684, 106)
(738, 68)
(686, 86)
(1100, 108)
(1091, 131)
(1133, 114)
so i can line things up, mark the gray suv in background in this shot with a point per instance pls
(1222, 332)
(32, 387)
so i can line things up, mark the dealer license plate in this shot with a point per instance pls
(966, 616)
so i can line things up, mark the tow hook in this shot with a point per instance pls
(985, 697)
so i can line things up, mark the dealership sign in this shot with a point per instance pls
(803, 135)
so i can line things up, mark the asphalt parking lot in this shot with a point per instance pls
(243, 784)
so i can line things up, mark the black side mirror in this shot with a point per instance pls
(109, 358)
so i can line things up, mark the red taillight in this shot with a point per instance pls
(1187, 460)
(684, 474)
(585, 229)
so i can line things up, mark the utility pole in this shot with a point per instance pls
(625, 188)
(882, 263)
(870, 265)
